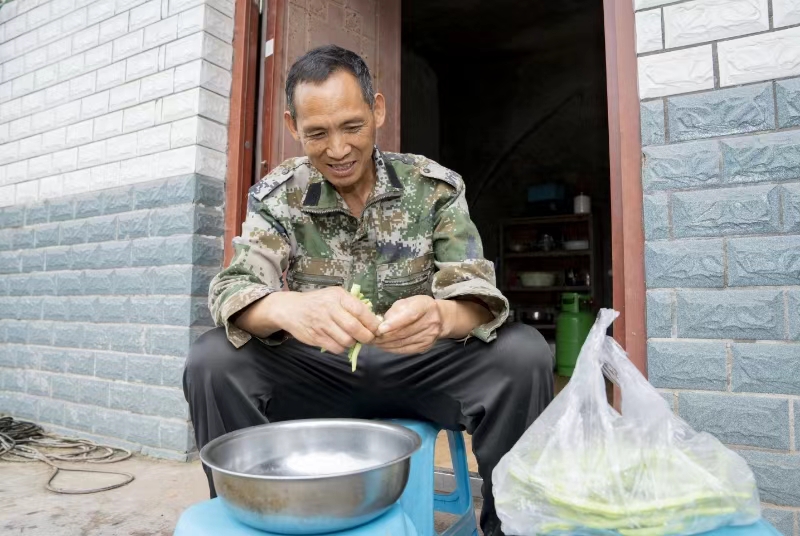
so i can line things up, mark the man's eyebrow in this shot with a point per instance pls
(352, 123)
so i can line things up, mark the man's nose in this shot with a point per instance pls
(338, 147)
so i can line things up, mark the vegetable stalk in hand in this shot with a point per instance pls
(352, 354)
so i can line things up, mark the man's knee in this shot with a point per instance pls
(521, 350)
(211, 353)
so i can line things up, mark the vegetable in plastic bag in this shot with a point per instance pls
(584, 469)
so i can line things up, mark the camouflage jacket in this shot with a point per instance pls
(414, 237)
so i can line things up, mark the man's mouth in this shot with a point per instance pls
(342, 170)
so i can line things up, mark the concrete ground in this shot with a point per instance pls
(148, 506)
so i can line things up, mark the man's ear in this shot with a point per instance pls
(379, 111)
(291, 124)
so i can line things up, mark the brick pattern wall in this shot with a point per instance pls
(101, 295)
(113, 140)
(103, 93)
(721, 174)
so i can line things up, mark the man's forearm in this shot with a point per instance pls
(460, 317)
(262, 318)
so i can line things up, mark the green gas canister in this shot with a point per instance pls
(572, 328)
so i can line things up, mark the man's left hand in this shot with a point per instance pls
(411, 326)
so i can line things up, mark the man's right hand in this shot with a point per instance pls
(329, 318)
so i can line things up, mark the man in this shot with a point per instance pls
(398, 226)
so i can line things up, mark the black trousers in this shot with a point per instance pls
(493, 391)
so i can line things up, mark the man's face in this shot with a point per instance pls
(337, 128)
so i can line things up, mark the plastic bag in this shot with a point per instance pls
(584, 469)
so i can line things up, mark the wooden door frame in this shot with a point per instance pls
(627, 233)
(625, 168)
(242, 126)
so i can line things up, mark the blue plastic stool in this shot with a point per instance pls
(762, 528)
(411, 516)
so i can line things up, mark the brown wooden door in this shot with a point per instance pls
(368, 27)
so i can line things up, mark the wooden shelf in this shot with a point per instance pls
(548, 289)
(526, 231)
(566, 218)
(544, 254)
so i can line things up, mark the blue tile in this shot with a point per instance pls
(168, 341)
(132, 281)
(730, 314)
(652, 114)
(687, 365)
(684, 165)
(660, 306)
(144, 429)
(133, 225)
(777, 475)
(36, 214)
(764, 261)
(144, 369)
(794, 314)
(13, 216)
(684, 263)
(209, 221)
(46, 235)
(165, 402)
(791, 208)
(738, 420)
(721, 112)
(656, 217)
(783, 520)
(110, 365)
(766, 368)
(764, 158)
(62, 209)
(788, 93)
(101, 229)
(731, 211)
(175, 191)
(176, 436)
(172, 221)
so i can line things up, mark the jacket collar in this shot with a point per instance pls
(321, 196)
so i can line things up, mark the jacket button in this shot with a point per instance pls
(426, 170)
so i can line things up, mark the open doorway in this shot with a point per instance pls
(513, 97)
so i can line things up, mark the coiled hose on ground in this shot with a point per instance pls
(23, 441)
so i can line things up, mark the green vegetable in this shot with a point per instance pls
(654, 493)
(352, 354)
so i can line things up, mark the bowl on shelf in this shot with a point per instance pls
(518, 247)
(537, 279)
(538, 316)
(576, 245)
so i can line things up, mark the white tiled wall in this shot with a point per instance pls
(760, 57)
(737, 36)
(648, 31)
(95, 94)
(678, 71)
(702, 21)
(785, 12)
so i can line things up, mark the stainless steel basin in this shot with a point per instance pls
(311, 476)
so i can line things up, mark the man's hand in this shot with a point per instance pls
(411, 326)
(329, 318)
(414, 324)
